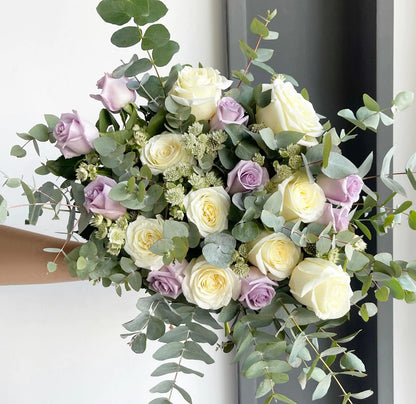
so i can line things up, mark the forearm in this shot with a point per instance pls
(23, 261)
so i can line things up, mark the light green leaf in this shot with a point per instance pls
(339, 166)
(138, 344)
(162, 55)
(195, 352)
(137, 67)
(403, 100)
(163, 387)
(322, 388)
(246, 232)
(105, 145)
(172, 367)
(172, 228)
(351, 361)
(135, 280)
(412, 219)
(362, 395)
(52, 266)
(228, 312)
(169, 351)
(17, 151)
(40, 132)
(264, 387)
(263, 55)
(248, 52)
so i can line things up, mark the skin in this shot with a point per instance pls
(23, 261)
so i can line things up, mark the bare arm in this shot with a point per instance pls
(23, 261)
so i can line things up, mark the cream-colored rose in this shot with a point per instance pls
(289, 111)
(208, 208)
(322, 287)
(301, 199)
(209, 287)
(164, 151)
(200, 89)
(274, 254)
(140, 236)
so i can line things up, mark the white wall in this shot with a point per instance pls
(404, 239)
(60, 343)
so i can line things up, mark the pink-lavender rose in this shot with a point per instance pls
(343, 191)
(115, 94)
(98, 201)
(257, 290)
(74, 135)
(168, 280)
(228, 111)
(337, 216)
(246, 176)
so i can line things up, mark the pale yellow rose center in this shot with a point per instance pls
(212, 282)
(144, 238)
(209, 213)
(304, 196)
(164, 153)
(274, 252)
(330, 296)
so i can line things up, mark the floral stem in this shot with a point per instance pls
(317, 353)
(251, 59)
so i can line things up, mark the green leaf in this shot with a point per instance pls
(382, 294)
(264, 387)
(327, 149)
(163, 54)
(18, 151)
(113, 11)
(412, 219)
(137, 67)
(135, 281)
(195, 352)
(3, 210)
(274, 203)
(246, 232)
(248, 52)
(52, 266)
(105, 145)
(264, 55)
(172, 229)
(40, 132)
(169, 351)
(403, 100)
(125, 37)
(172, 367)
(349, 116)
(155, 36)
(245, 150)
(138, 344)
(202, 334)
(160, 400)
(362, 395)
(370, 103)
(263, 66)
(177, 334)
(155, 328)
(228, 312)
(258, 28)
(154, 11)
(322, 388)
(396, 289)
(281, 397)
(352, 362)
(163, 387)
(339, 166)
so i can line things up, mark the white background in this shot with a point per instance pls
(60, 343)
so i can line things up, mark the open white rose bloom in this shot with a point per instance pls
(230, 205)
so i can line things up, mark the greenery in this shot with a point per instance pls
(273, 340)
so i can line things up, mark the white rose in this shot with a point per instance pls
(209, 287)
(322, 287)
(164, 151)
(301, 199)
(289, 111)
(274, 254)
(208, 208)
(200, 89)
(140, 236)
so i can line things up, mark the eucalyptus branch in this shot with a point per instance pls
(157, 72)
(251, 58)
(318, 354)
(180, 359)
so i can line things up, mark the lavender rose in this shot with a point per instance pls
(168, 280)
(337, 216)
(228, 111)
(257, 290)
(246, 176)
(98, 201)
(114, 95)
(74, 136)
(343, 191)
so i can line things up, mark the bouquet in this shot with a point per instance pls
(231, 204)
